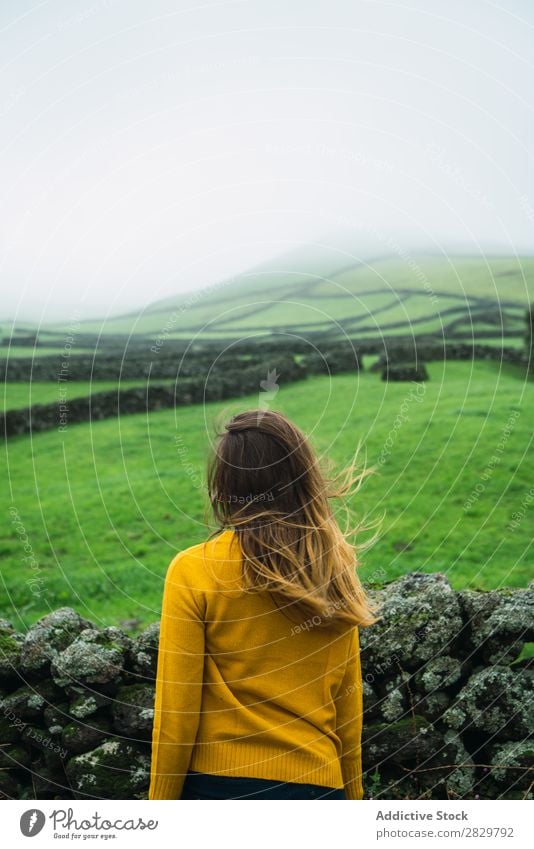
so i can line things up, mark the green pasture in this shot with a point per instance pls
(390, 295)
(16, 395)
(12, 351)
(93, 516)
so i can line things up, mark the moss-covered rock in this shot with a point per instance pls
(512, 764)
(496, 700)
(9, 786)
(55, 717)
(370, 702)
(85, 702)
(393, 704)
(39, 738)
(143, 655)
(497, 623)
(95, 657)
(10, 651)
(433, 705)
(400, 741)
(50, 635)
(420, 620)
(28, 702)
(83, 735)
(9, 729)
(449, 772)
(114, 770)
(47, 782)
(133, 710)
(14, 757)
(439, 673)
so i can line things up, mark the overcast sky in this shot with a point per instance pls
(149, 148)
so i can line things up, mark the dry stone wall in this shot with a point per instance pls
(448, 700)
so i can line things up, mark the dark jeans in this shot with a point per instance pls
(201, 785)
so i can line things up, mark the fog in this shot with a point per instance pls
(149, 149)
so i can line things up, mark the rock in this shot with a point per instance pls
(9, 786)
(498, 623)
(512, 764)
(451, 766)
(56, 717)
(496, 700)
(434, 705)
(10, 651)
(393, 704)
(370, 702)
(420, 620)
(133, 710)
(86, 702)
(38, 738)
(55, 759)
(14, 757)
(49, 783)
(114, 770)
(460, 781)
(405, 371)
(50, 635)
(143, 655)
(95, 657)
(28, 702)
(9, 729)
(438, 674)
(400, 741)
(82, 736)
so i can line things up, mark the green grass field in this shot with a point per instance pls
(30, 352)
(100, 510)
(16, 395)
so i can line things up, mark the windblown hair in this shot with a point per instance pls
(264, 480)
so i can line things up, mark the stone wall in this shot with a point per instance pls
(173, 361)
(204, 377)
(449, 708)
(216, 385)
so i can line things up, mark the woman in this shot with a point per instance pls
(258, 689)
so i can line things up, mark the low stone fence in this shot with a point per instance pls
(218, 385)
(449, 708)
(232, 376)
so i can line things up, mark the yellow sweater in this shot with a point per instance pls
(243, 691)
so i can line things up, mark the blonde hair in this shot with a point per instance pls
(265, 481)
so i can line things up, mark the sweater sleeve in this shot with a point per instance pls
(179, 677)
(349, 712)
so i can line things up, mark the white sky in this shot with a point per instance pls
(150, 148)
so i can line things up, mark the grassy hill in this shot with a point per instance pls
(106, 506)
(304, 293)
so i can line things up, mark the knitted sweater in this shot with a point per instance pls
(243, 691)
